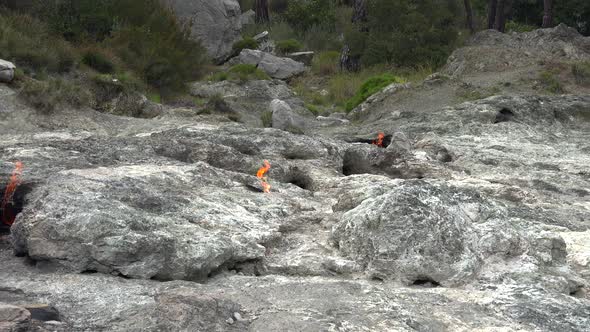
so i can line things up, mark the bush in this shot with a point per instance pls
(27, 42)
(326, 63)
(266, 118)
(369, 88)
(48, 95)
(304, 14)
(313, 109)
(246, 43)
(581, 72)
(288, 46)
(245, 72)
(519, 27)
(98, 60)
(550, 82)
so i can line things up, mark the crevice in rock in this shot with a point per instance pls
(14, 206)
(504, 115)
(353, 164)
(425, 282)
(578, 292)
(300, 179)
(387, 139)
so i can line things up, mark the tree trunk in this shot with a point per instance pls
(492, 13)
(469, 14)
(548, 13)
(261, 10)
(500, 21)
(359, 16)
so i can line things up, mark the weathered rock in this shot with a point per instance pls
(247, 17)
(284, 118)
(215, 23)
(14, 318)
(303, 57)
(274, 66)
(6, 71)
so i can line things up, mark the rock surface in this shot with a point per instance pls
(274, 66)
(6, 71)
(215, 23)
(472, 216)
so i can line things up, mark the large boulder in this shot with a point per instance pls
(14, 318)
(284, 118)
(215, 23)
(6, 71)
(274, 66)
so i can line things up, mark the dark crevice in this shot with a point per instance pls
(387, 139)
(300, 179)
(504, 115)
(425, 282)
(13, 207)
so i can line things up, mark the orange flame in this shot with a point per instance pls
(14, 182)
(379, 140)
(261, 175)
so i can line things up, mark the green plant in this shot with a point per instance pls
(47, 95)
(245, 72)
(98, 60)
(288, 46)
(246, 43)
(551, 83)
(519, 27)
(326, 63)
(313, 109)
(581, 72)
(303, 14)
(369, 88)
(266, 118)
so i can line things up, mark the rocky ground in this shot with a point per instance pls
(474, 216)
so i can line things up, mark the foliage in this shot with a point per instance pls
(581, 72)
(245, 72)
(246, 43)
(288, 46)
(369, 88)
(519, 27)
(313, 109)
(326, 63)
(98, 60)
(266, 118)
(304, 14)
(48, 95)
(406, 33)
(551, 83)
(27, 42)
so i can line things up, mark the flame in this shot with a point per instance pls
(261, 175)
(14, 182)
(379, 140)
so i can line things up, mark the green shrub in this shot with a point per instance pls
(246, 43)
(98, 60)
(519, 27)
(266, 118)
(551, 83)
(288, 46)
(369, 88)
(219, 76)
(326, 63)
(313, 109)
(48, 95)
(322, 38)
(245, 72)
(581, 72)
(28, 43)
(304, 14)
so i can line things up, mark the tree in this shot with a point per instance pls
(469, 14)
(500, 21)
(547, 13)
(492, 5)
(261, 10)
(349, 60)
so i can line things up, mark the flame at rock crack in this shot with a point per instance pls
(7, 217)
(262, 176)
(379, 140)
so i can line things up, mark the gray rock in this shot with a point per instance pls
(303, 57)
(14, 318)
(247, 17)
(6, 71)
(275, 67)
(284, 118)
(261, 37)
(215, 23)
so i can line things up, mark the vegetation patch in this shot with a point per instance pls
(246, 43)
(246, 72)
(266, 118)
(98, 60)
(48, 95)
(288, 46)
(581, 72)
(550, 83)
(326, 63)
(369, 88)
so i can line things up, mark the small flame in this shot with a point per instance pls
(261, 175)
(14, 182)
(379, 140)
